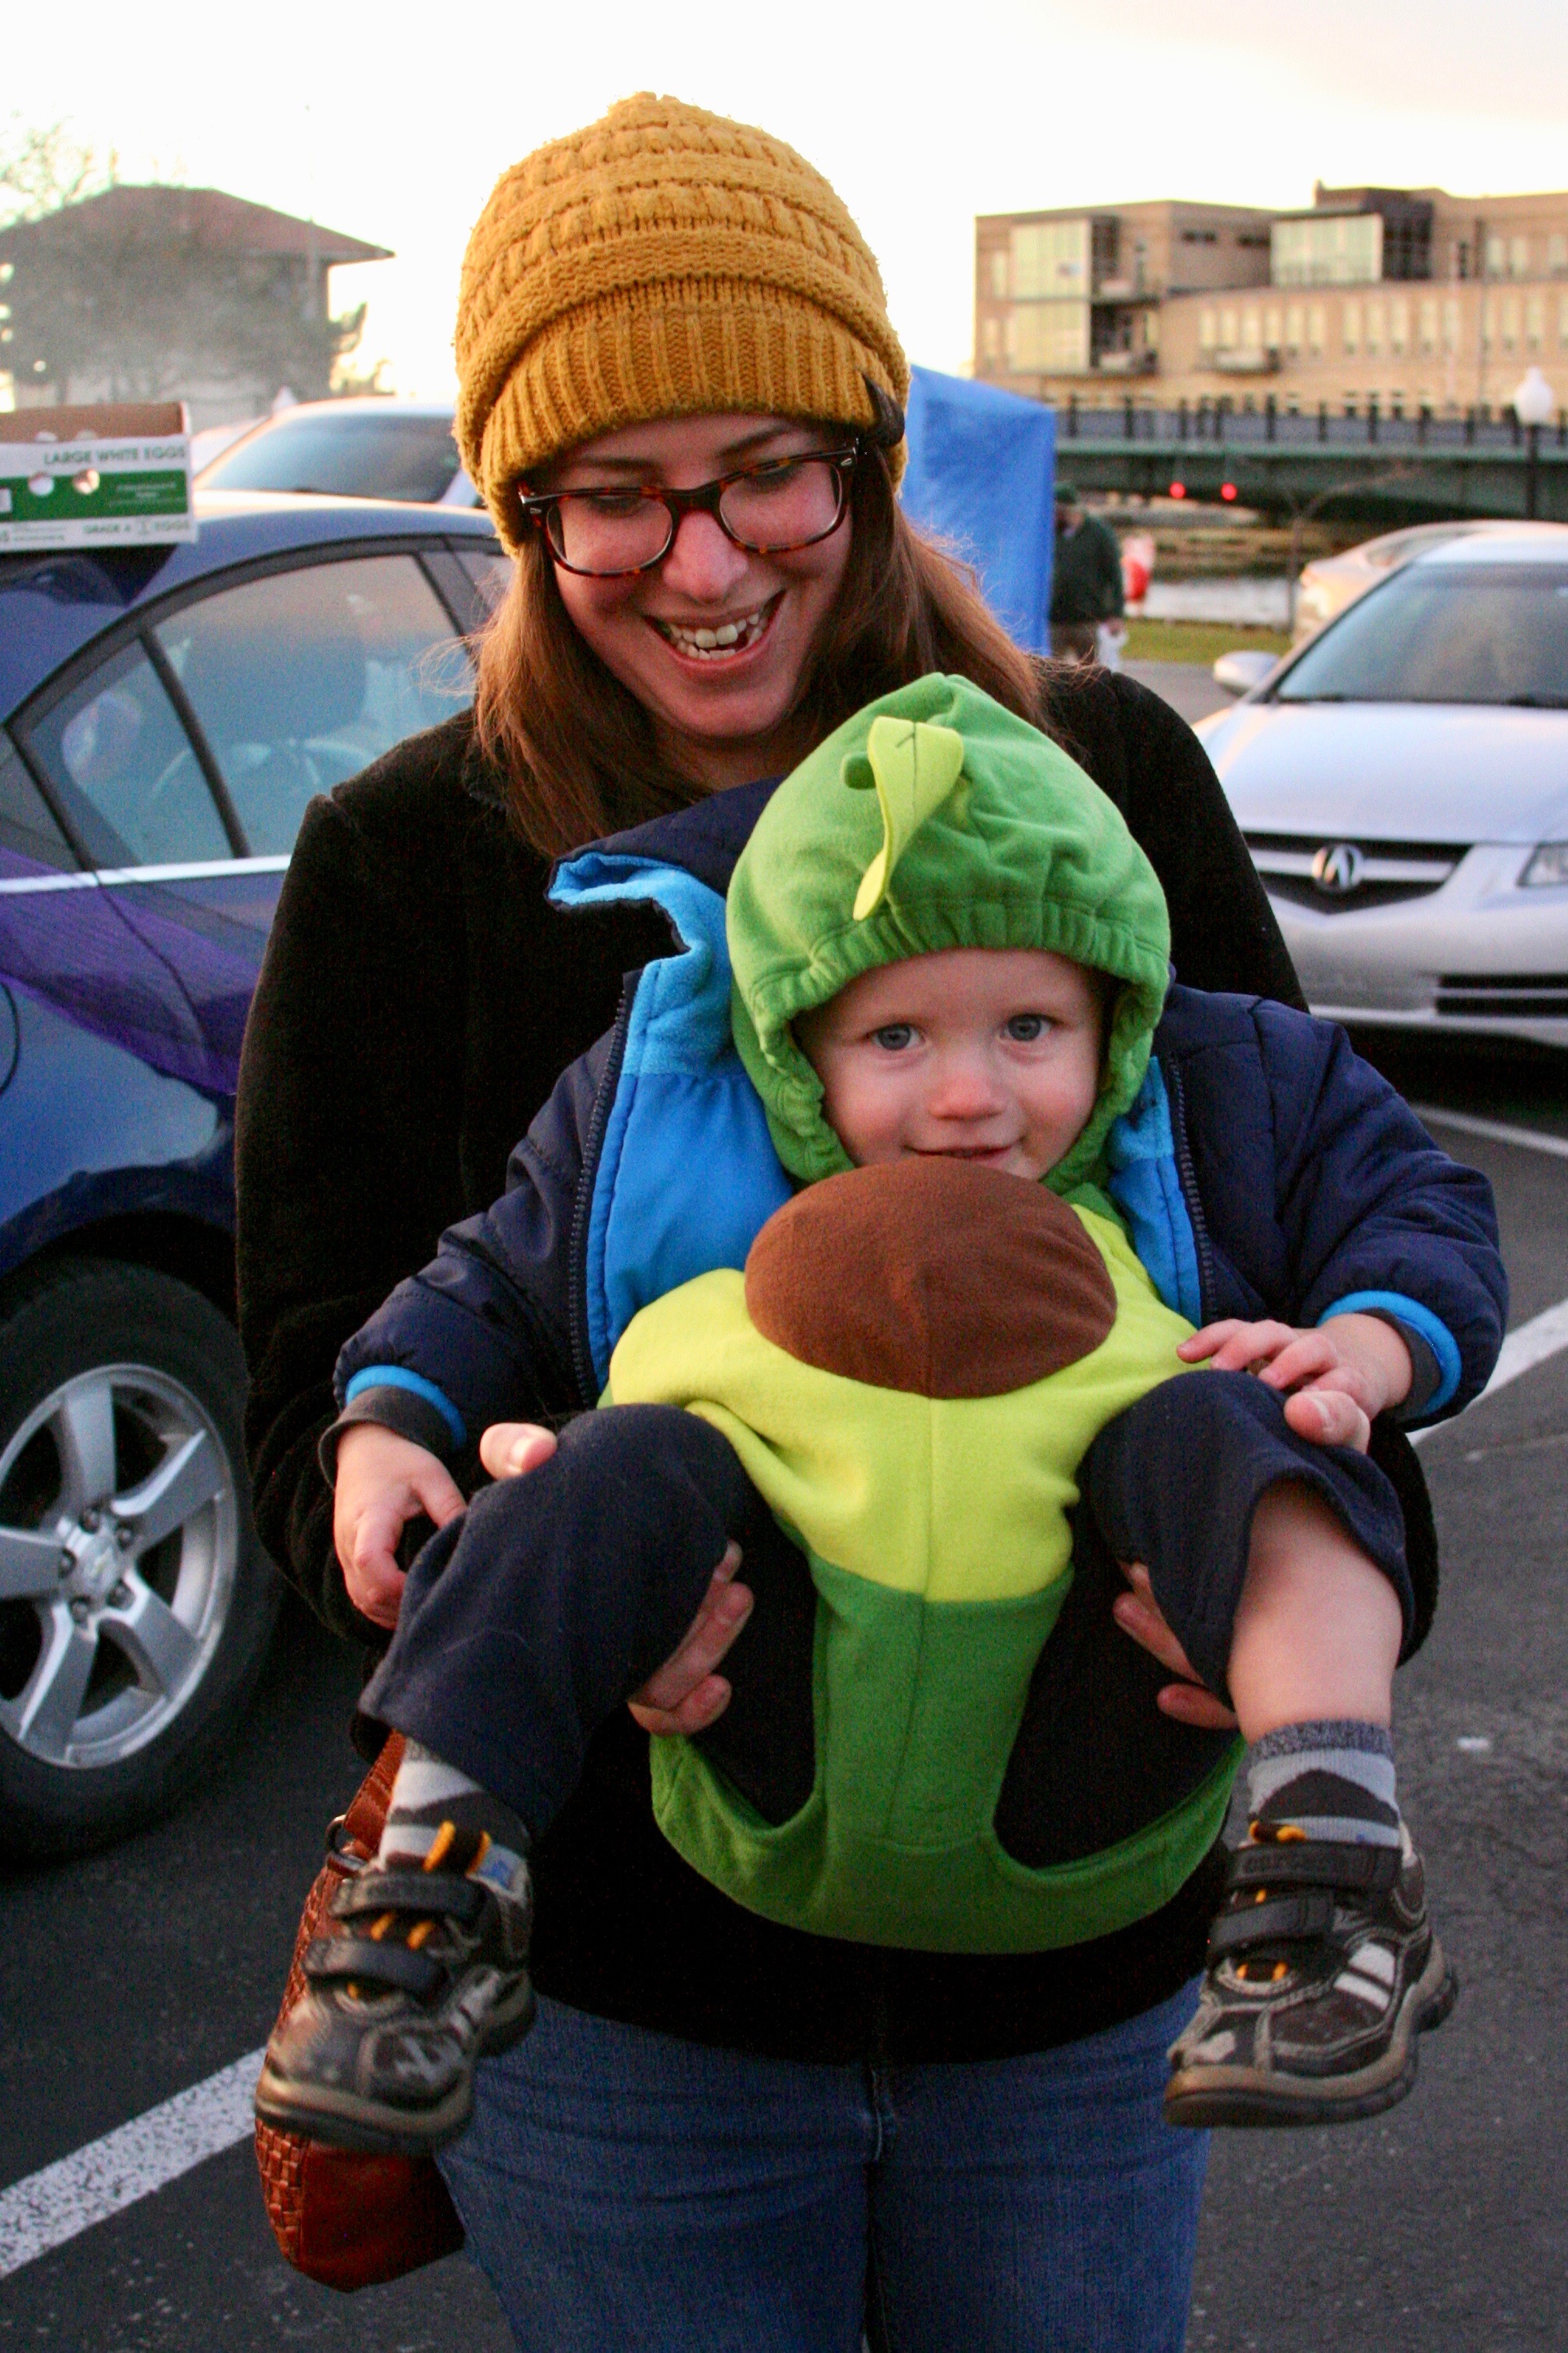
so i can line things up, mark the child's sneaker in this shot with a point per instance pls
(425, 1974)
(1322, 1970)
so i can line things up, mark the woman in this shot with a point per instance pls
(717, 2124)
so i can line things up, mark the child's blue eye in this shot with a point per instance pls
(1025, 1028)
(895, 1036)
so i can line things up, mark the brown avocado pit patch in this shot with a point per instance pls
(931, 1276)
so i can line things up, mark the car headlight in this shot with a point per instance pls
(1548, 864)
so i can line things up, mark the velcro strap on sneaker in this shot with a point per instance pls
(332, 1958)
(442, 1892)
(1315, 1862)
(1307, 1915)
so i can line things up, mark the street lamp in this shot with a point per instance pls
(1533, 405)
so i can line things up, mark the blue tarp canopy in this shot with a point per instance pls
(981, 478)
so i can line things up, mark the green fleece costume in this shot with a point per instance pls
(917, 1356)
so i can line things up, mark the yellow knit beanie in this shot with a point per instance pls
(662, 262)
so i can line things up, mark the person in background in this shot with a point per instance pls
(1086, 595)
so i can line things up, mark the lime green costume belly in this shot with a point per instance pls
(936, 1532)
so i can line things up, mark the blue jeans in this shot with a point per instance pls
(627, 2192)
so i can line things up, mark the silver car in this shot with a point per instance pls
(1402, 782)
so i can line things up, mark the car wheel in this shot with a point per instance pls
(135, 1603)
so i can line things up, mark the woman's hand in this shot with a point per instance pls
(1341, 1376)
(1139, 1614)
(382, 1482)
(684, 1695)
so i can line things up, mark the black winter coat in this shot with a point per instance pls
(418, 1000)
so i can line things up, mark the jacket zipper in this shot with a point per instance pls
(1189, 1181)
(581, 1349)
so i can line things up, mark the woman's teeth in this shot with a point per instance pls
(730, 637)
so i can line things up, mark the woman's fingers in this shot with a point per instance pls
(1329, 1418)
(511, 1449)
(725, 1609)
(1191, 1703)
(1140, 1615)
(695, 1714)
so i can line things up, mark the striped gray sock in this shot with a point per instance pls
(1330, 1779)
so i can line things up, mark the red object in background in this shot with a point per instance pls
(1178, 490)
(1137, 567)
(1228, 491)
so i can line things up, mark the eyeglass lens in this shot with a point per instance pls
(767, 509)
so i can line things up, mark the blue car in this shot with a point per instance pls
(165, 716)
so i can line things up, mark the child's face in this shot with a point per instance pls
(984, 1054)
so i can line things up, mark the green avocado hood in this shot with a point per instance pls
(935, 819)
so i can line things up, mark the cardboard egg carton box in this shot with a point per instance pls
(118, 474)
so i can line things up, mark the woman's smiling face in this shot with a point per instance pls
(721, 711)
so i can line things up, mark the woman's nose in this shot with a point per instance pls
(702, 563)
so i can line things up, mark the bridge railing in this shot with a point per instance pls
(1361, 426)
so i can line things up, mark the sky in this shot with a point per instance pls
(391, 123)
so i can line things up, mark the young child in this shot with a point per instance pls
(949, 961)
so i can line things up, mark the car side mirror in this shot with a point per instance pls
(1238, 674)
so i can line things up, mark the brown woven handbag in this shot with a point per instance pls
(347, 2220)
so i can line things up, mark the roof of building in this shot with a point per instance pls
(211, 217)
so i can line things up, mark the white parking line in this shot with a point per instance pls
(1544, 1336)
(92, 2183)
(1533, 1138)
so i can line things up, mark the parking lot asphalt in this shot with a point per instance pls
(1440, 2227)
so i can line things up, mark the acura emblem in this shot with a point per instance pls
(1337, 869)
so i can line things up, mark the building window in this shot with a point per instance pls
(1049, 338)
(1373, 329)
(1273, 327)
(1331, 249)
(1399, 325)
(1518, 256)
(1488, 322)
(1451, 324)
(1510, 323)
(1562, 321)
(1228, 337)
(1350, 330)
(1429, 329)
(1534, 322)
(1497, 256)
(1049, 258)
(1295, 330)
(1317, 330)
(991, 338)
(998, 274)
(1208, 328)
(1557, 253)
(1252, 329)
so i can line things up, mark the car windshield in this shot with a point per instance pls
(1442, 633)
(358, 457)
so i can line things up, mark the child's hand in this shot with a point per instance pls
(382, 1482)
(1341, 1376)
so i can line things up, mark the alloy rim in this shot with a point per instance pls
(119, 1550)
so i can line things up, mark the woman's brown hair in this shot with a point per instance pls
(578, 751)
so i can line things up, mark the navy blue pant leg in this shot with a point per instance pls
(529, 1621)
(1174, 1481)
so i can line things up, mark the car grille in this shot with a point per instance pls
(1381, 872)
(1505, 996)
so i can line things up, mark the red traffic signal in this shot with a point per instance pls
(1178, 490)
(1228, 491)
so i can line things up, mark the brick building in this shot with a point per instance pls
(1409, 297)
